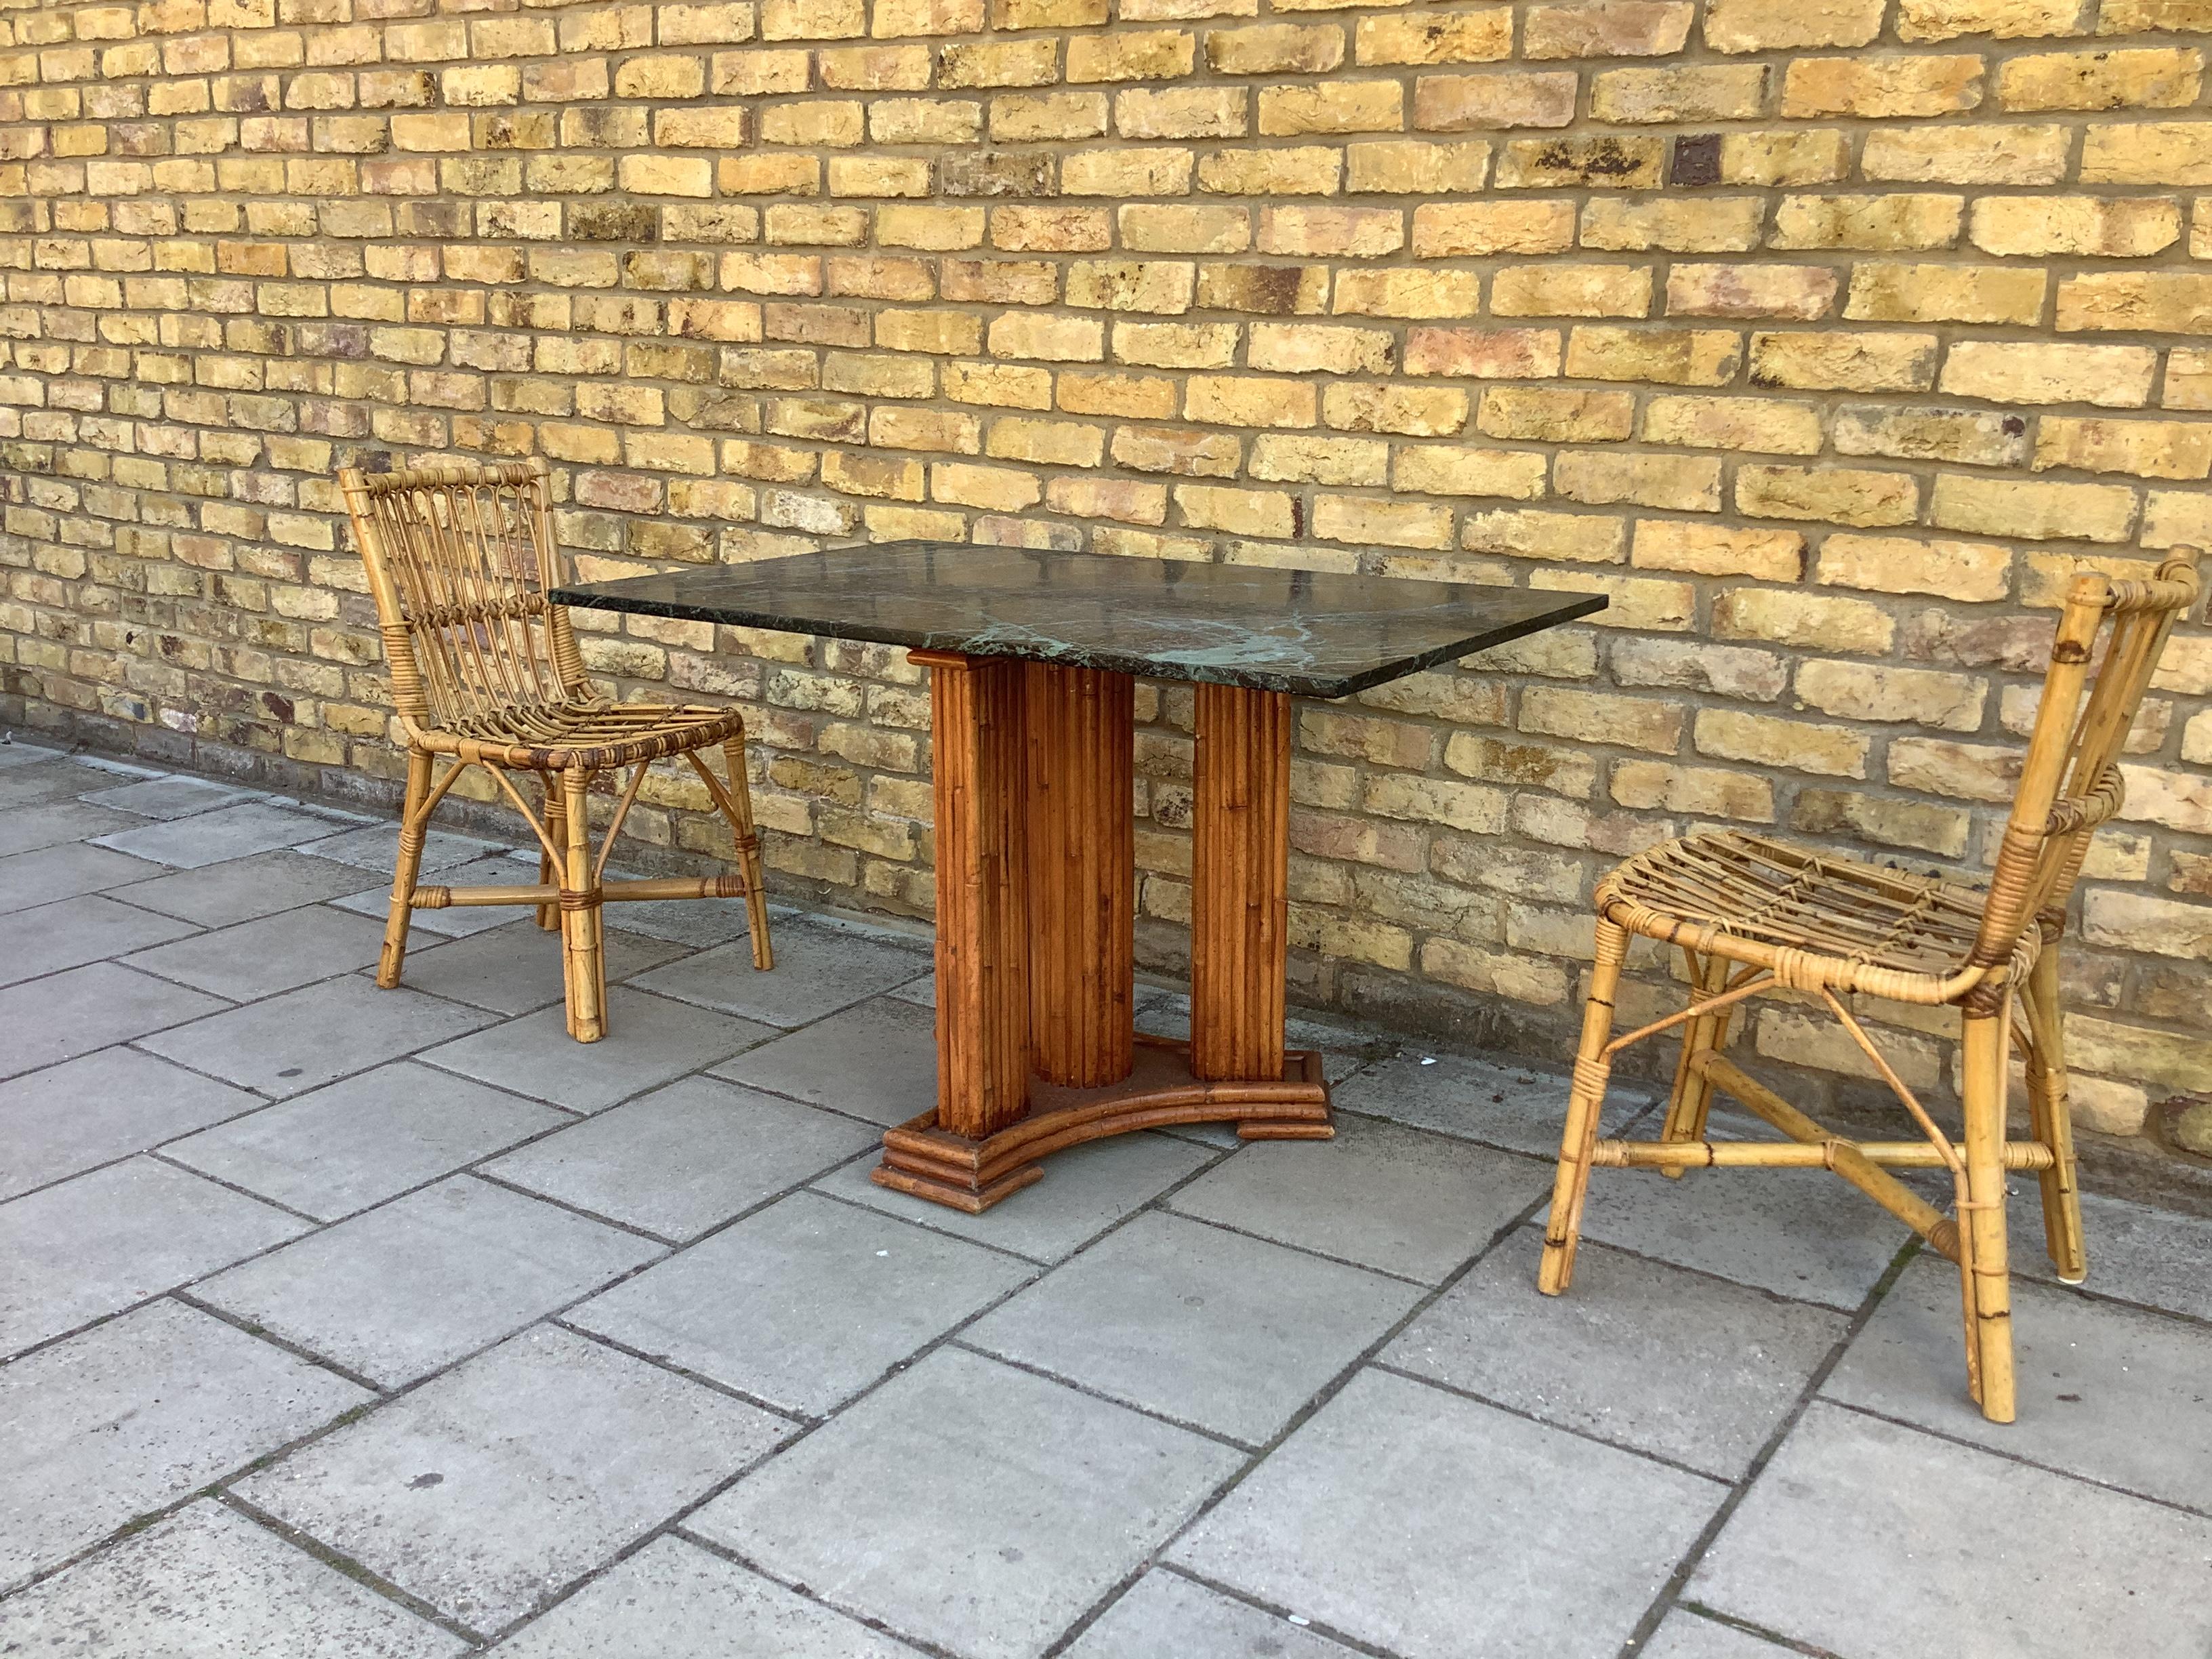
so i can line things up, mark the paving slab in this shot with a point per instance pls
(98, 1241)
(60, 872)
(2105, 1391)
(207, 1581)
(2156, 1257)
(695, 924)
(338, 1150)
(1684, 1635)
(875, 1060)
(517, 971)
(1800, 1233)
(686, 1158)
(46, 1021)
(689, 1603)
(398, 1292)
(16, 751)
(1164, 1614)
(1637, 1352)
(804, 1304)
(258, 959)
(1343, 1048)
(457, 920)
(1864, 1537)
(492, 1488)
(649, 1040)
(26, 829)
(1522, 1108)
(133, 1415)
(30, 781)
(1386, 1196)
(316, 1035)
(69, 932)
(228, 832)
(1085, 1190)
(1229, 1333)
(1440, 1528)
(217, 894)
(817, 971)
(98, 1107)
(375, 846)
(970, 1503)
(174, 796)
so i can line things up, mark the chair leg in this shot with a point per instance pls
(548, 915)
(1585, 1102)
(583, 963)
(1692, 1094)
(414, 825)
(749, 859)
(2053, 1123)
(1990, 1323)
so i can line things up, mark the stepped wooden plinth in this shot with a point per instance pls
(1037, 1048)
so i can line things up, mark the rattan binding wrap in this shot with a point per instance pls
(485, 671)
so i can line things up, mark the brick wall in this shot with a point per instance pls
(1824, 336)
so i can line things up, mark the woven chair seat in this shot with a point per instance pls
(1705, 891)
(551, 737)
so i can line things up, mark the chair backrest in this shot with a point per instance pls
(460, 559)
(2071, 781)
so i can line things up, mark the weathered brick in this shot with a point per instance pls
(2116, 377)
(1761, 26)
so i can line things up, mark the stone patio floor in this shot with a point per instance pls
(343, 1322)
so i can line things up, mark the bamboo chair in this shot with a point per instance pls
(486, 673)
(1753, 916)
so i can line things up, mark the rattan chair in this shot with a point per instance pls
(485, 671)
(1753, 916)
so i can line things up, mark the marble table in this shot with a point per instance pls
(1032, 656)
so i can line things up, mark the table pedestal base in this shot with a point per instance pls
(971, 1175)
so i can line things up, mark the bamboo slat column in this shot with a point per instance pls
(982, 928)
(1240, 883)
(1082, 873)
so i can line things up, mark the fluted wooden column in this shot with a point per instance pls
(982, 934)
(1082, 873)
(1240, 883)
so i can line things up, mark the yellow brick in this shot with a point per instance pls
(1873, 88)
(1165, 229)
(2039, 512)
(1176, 345)
(1964, 571)
(1305, 171)
(2148, 449)
(1354, 233)
(2147, 153)
(1462, 103)
(1861, 691)
(1762, 26)
(1275, 48)
(1440, 470)
(998, 64)
(1024, 117)
(1365, 522)
(1251, 512)
(1134, 55)
(1182, 112)
(1315, 348)
(1414, 412)
(1495, 354)
(1608, 28)
(1408, 293)
(1605, 477)
(1230, 400)
(2033, 372)
(1287, 459)
(2120, 227)
(1702, 93)
(1844, 495)
(1714, 550)
(1335, 107)
(2138, 301)
(1669, 356)
(1766, 740)
(1473, 35)
(1726, 225)
(1655, 786)
(1801, 292)
(1578, 538)
(996, 488)
(2006, 154)
(1572, 290)
(1875, 222)
(1602, 717)
(2148, 78)
(1162, 286)
(1412, 166)
(1454, 229)
(1818, 621)
(1757, 424)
